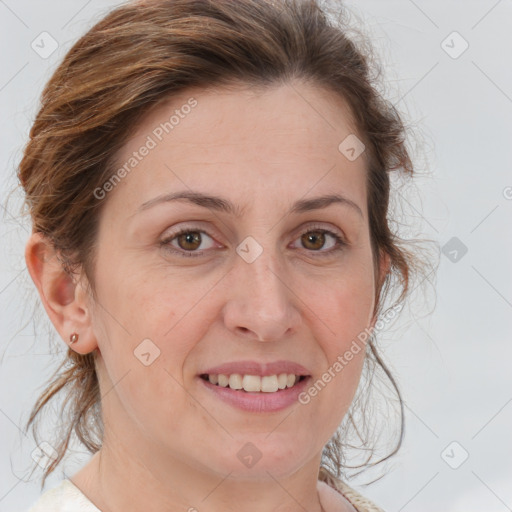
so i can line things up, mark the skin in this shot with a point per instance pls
(167, 440)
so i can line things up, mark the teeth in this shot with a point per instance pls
(223, 381)
(235, 381)
(269, 383)
(282, 380)
(255, 383)
(251, 383)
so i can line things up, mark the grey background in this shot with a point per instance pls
(453, 365)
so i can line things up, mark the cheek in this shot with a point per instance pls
(342, 312)
(142, 324)
(151, 303)
(343, 303)
(174, 313)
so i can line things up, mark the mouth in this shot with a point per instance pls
(254, 383)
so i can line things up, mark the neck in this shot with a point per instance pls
(114, 480)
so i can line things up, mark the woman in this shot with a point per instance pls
(208, 184)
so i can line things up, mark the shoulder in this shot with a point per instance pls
(350, 499)
(65, 497)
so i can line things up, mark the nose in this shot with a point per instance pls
(261, 304)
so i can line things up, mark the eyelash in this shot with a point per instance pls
(340, 243)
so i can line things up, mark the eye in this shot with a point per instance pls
(316, 239)
(186, 242)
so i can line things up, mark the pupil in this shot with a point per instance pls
(315, 238)
(191, 240)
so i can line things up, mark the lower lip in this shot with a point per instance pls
(258, 401)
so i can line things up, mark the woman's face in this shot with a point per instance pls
(256, 283)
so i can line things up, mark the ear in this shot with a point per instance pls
(64, 300)
(383, 270)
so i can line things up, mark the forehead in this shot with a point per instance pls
(275, 142)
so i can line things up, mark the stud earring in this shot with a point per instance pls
(73, 338)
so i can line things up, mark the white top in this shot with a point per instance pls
(67, 497)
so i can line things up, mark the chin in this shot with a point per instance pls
(257, 456)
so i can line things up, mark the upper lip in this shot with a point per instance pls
(257, 368)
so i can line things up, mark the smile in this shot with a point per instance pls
(254, 383)
(269, 397)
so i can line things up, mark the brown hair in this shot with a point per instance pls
(142, 53)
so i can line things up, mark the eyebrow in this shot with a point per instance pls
(226, 206)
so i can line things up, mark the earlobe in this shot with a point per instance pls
(63, 298)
